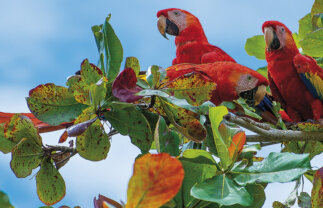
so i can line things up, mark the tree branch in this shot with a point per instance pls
(268, 134)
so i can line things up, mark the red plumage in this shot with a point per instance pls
(192, 45)
(295, 80)
(231, 78)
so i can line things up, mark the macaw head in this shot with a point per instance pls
(278, 36)
(173, 21)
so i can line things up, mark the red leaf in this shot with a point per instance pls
(102, 202)
(156, 179)
(63, 137)
(125, 86)
(238, 141)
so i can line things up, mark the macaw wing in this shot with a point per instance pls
(175, 71)
(311, 74)
(217, 54)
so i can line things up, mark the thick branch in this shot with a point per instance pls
(268, 134)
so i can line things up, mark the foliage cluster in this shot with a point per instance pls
(202, 158)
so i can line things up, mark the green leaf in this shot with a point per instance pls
(229, 105)
(82, 85)
(209, 141)
(94, 143)
(277, 204)
(198, 165)
(216, 116)
(258, 193)
(53, 104)
(276, 110)
(305, 26)
(312, 147)
(256, 46)
(263, 71)
(50, 184)
(317, 7)
(251, 148)
(26, 156)
(127, 120)
(20, 126)
(99, 40)
(133, 63)
(4, 201)
(113, 51)
(277, 167)
(98, 92)
(5, 144)
(202, 109)
(304, 200)
(249, 111)
(312, 44)
(222, 190)
(291, 199)
(317, 20)
(165, 139)
(154, 75)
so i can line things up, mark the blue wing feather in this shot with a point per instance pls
(309, 85)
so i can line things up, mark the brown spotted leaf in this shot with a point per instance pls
(80, 85)
(185, 121)
(317, 191)
(26, 156)
(133, 63)
(194, 87)
(53, 104)
(308, 126)
(94, 143)
(156, 179)
(50, 184)
(125, 86)
(5, 144)
(20, 126)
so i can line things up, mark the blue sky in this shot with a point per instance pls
(45, 41)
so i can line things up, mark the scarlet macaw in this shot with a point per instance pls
(192, 45)
(295, 80)
(233, 81)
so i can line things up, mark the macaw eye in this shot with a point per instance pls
(176, 13)
(283, 29)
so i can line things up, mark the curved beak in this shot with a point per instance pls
(272, 41)
(260, 94)
(166, 26)
(161, 24)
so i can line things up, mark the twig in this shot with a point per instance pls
(50, 148)
(65, 159)
(268, 134)
(112, 132)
